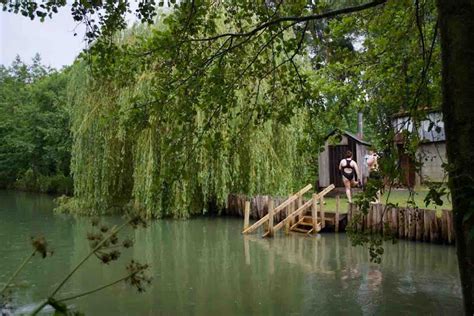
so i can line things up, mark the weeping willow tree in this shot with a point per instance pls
(144, 138)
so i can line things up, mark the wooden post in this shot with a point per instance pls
(270, 217)
(401, 223)
(411, 224)
(419, 225)
(321, 210)
(450, 226)
(267, 203)
(394, 221)
(289, 210)
(444, 226)
(360, 223)
(299, 202)
(434, 236)
(407, 223)
(314, 212)
(385, 217)
(426, 225)
(349, 213)
(247, 214)
(264, 217)
(336, 219)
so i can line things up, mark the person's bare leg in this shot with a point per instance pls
(347, 185)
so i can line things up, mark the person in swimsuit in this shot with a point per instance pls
(374, 174)
(349, 170)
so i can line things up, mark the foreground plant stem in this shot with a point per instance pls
(23, 264)
(113, 231)
(97, 289)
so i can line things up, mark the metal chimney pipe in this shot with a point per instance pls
(360, 125)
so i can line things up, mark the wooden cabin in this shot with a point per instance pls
(431, 151)
(334, 151)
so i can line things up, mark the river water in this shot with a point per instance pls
(205, 266)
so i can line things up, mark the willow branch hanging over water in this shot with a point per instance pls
(144, 138)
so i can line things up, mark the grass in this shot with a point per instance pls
(397, 196)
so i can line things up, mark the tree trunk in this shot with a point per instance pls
(457, 44)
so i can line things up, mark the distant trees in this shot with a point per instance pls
(34, 128)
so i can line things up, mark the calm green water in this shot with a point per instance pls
(206, 267)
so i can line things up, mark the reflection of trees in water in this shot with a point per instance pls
(205, 266)
(410, 272)
(23, 215)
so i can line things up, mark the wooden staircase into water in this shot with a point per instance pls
(305, 225)
(296, 220)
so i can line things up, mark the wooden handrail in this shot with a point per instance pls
(317, 196)
(277, 209)
(290, 217)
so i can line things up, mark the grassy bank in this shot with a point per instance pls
(398, 197)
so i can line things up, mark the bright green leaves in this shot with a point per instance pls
(435, 194)
(34, 130)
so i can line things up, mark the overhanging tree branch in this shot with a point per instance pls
(296, 19)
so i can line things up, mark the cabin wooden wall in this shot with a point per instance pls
(323, 167)
(432, 155)
(362, 150)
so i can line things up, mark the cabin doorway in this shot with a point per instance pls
(336, 153)
(407, 168)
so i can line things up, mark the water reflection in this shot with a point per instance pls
(206, 267)
(408, 280)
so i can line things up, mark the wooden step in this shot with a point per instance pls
(301, 222)
(299, 230)
(294, 226)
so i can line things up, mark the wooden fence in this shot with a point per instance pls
(406, 223)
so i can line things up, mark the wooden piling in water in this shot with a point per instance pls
(444, 226)
(314, 212)
(386, 219)
(247, 214)
(349, 212)
(419, 224)
(270, 217)
(450, 226)
(411, 224)
(426, 226)
(299, 202)
(434, 233)
(321, 212)
(289, 210)
(378, 218)
(401, 224)
(406, 223)
(394, 212)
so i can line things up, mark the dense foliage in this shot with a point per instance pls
(182, 151)
(203, 50)
(34, 128)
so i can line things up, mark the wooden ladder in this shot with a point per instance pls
(305, 225)
(301, 214)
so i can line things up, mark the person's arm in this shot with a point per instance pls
(340, 165)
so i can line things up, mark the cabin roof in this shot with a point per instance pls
(348, 134)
